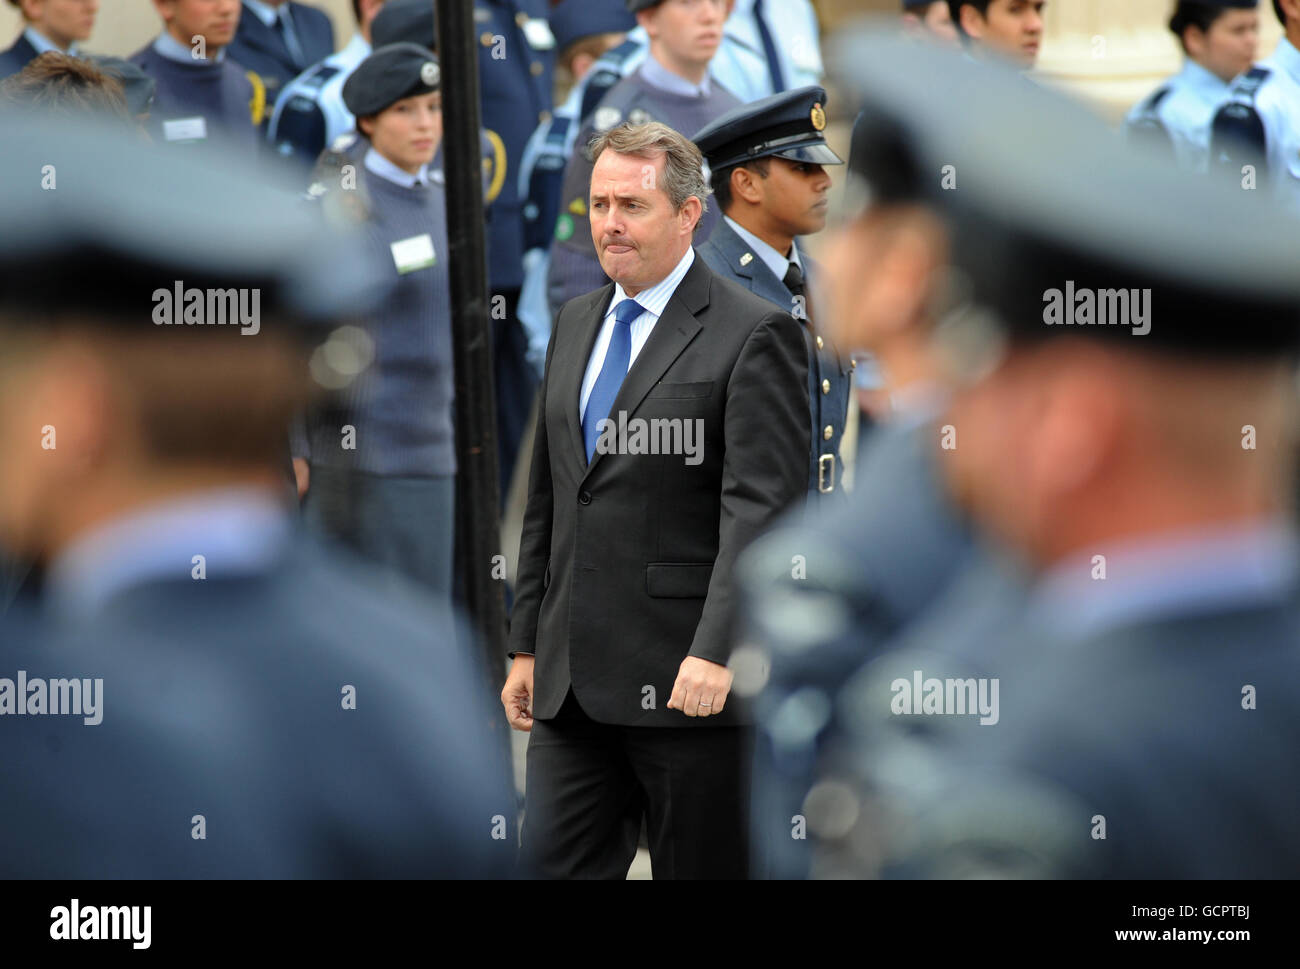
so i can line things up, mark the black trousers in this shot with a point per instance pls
(589, 784)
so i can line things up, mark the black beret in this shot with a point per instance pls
(1048, 206)
(388, 75)
(405, 22)
(139, 87)
(788, 125)
(127, 219)
(572, 20)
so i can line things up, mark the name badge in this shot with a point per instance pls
(185, 129)
(413, 253)
(538, 34)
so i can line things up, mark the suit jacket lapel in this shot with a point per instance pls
(674, 330)
(572, 367)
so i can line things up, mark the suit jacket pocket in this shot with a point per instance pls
(702, 388)
(672, 580)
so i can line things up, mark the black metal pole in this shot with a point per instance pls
(478, 537)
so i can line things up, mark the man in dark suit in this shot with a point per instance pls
(624, 593)
(1136, 454)
(279, 39)
(766, 161)
(241, 702)
(57, 25)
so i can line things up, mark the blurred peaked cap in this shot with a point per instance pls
(388, 75)
(635, 6)
(883, 159)
(1039, 192)
(139, 87)
(107, 218)
(572, 20)
(405, 22)
(789, 125)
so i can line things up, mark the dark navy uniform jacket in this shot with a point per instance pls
(516, 71)
(830, 374)
(262, 49)
(16, 57)
(224, 698)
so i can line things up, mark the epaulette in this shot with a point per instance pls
(1147, 130)
(1247, 85)
(338, 180)
(1238, 138)
(608, 71)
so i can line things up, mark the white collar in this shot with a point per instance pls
(381, 166)
(774, 260)
(654, 299)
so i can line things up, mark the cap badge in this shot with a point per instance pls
(818, 118)
(746, 259)
(429, 74)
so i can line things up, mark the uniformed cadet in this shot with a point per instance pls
(516, 78)
(395, 458)
(242, 702)
(1007, 29)
(277, 40)
(203, 96)
(1138, 457)
(672, 86)
(857, 573)
(584, 31)
(310, 114)
(1260, 124)
(929, 19)
(766, 161)
(1218, 38)
(57, 25)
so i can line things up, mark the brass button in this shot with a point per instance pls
(536, 68)
(828, 432)
(485, 38)
(826, 386)
(853, 364)
(544, 117)
(820, 343)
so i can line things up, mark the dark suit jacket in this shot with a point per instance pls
(261, 49)
(16, 57)
(223, 698)
(625, 565)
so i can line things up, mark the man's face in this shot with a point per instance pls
(795, 196)
(213, 20)
(689, 31)
(1228, 48)
(63, 21)
(1012, 28)
(639, 238)
(408, 132)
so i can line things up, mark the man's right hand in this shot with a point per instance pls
(517, 694)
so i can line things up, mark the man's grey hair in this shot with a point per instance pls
(683, 164)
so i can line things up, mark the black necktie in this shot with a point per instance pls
(769, 49)
(794, 282)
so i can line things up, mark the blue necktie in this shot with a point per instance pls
(769, 49)
(617, 358)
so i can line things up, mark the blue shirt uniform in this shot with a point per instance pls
(1261, 121)
(310, 112)
(1181, 111)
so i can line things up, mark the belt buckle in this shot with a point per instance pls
(824, 486)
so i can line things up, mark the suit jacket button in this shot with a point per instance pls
(584, 497)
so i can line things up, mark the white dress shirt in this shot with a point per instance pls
(653, 301)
